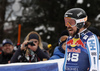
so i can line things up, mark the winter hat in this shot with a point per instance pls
(7, 41)
(65, 35)
(33, 36)
(63, 39)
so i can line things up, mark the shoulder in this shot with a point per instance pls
(56, 49)
(93, 43)
(93, 38)
(86, 35)
(89, 33)
(57, 54)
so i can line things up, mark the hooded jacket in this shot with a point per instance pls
(58, 53)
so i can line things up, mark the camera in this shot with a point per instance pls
(30, 43)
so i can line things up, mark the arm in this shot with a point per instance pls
(18, 52)
(15, 56)
(41, 54)
(93, 52)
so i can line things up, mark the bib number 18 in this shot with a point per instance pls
(73, 57)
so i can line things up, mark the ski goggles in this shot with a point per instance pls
(73, 22)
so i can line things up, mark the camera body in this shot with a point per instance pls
(30, 43)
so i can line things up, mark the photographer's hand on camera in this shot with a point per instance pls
(33, 48)
(23, 45)
(29, 44)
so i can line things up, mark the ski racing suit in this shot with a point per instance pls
(82, 52)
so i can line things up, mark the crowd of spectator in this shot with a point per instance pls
(25, 53)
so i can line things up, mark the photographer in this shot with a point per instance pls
(30, 50)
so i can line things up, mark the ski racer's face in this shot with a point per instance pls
(72, 30)
(71, 26)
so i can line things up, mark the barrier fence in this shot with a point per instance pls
(50, 65)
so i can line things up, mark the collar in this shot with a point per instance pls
(82, 31)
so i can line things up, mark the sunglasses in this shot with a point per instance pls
(73, 22)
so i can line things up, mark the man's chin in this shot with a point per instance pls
(71, 33)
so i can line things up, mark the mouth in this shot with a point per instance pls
(7, 49)
(70, 29)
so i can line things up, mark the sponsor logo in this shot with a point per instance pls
(92, 44)
(66, 14)
(74, 50)
(94, 70)
(71, 69)
(76, 42)
(80, 13)
(93, 53)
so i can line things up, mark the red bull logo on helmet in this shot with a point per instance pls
(76, 42)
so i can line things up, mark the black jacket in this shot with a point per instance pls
(4, 58)
(38, 55)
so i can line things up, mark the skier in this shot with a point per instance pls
(82, 49)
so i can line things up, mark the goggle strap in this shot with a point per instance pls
(81, 20)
